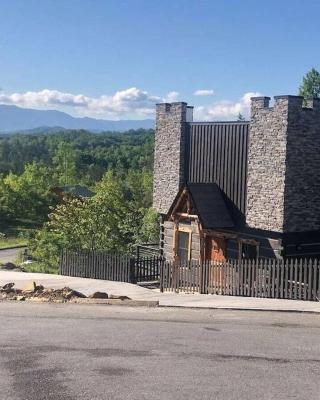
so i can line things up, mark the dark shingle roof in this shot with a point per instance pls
(211, 208)
(77, 190)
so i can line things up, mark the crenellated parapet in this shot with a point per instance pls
(283, 184)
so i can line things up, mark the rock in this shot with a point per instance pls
(99, 295)
(75, 293)
(39, 288)
(8, 287)
(47, 291)
(117, 297)
(68, 294)
(20, 298)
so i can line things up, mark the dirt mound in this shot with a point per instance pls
(34, 291)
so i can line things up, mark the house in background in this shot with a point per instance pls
(72, 191)
(247, 189)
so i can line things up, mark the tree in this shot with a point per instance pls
(117, 218)
(65, 162)
(310, 87)
(27, 195)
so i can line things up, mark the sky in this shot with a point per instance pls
(115, 59)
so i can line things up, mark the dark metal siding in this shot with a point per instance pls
(217, 153)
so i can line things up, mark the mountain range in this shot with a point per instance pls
(17, 119)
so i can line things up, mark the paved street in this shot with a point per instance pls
(9, 255)
(68, 351)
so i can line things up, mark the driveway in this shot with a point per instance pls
(85, 352)
(9, 255)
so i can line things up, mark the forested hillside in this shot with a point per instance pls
(92, 153)
(117, 167)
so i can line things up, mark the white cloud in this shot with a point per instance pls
(171, 97)
(225, 109)
(204, 92)
(128, 103)
(123, 103)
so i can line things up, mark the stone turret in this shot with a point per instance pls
(283, 184)
(169, 155)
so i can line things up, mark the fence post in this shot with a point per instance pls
(162, 266)
(204, 267)
(61, 262)
(132, 274)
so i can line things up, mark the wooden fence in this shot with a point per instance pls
(292, 279)
(259, 278)
(109, 266)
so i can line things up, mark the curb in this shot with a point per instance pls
(153, 303)
(109, 302)
(117, 302)
(243, 309)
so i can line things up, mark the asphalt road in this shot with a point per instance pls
(9, 255)
(90, 352)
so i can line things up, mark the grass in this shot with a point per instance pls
(15, 233)
(40, 267)
(10, 242)
(18, 227)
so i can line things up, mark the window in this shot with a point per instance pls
(183, 246)
(249, 251)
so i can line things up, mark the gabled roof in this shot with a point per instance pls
(208, 203)
(76, 190)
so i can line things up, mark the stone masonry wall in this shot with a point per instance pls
(266, 164)
(302, 184)
(169, 159)
(283, 185)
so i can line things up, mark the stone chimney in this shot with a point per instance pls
(283, 182)
(169, 154)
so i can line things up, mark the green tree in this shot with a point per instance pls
(27, 195)
(115, 219)
(310, 87)
(65, 163)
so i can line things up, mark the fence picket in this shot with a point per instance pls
(296, 267)
(317, 291)
(226, 275)
(316, 271)
(300, 286)
(286, 268)
(277, 279)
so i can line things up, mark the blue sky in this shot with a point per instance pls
(116, 59)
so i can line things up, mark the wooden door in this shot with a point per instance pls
(215, 251)
(215, 248)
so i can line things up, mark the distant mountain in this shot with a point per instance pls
(13, 119)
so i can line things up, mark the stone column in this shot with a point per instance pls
(169, 154)
(267, 164)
